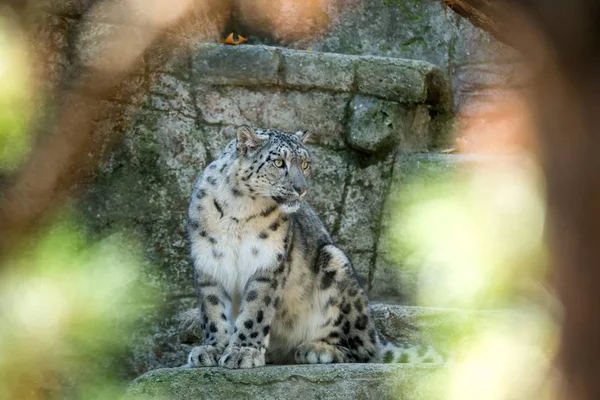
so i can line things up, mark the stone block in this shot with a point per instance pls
(326, 183)
(318, 70)
(359, 226)
(377, 126)
(321, 113)
(415, 29)
(170, 93)
(236, 65)
(404, 81)
(180, 146)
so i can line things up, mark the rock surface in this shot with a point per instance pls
(189, 105)
(335, 382)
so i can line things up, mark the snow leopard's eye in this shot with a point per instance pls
(305, 165)
(279, 163)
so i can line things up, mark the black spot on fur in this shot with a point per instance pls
(266, 330)
(274, 226)
(200, 194)
(234, 219)
(331, 301)
(241, 336)
(216, 254)
(263, 279)
(346, 308)
(255, 251)
(267, 301)
(212, 299)
(218, 207)
(223, 168)
(253, 335)
(276, 302)
(280, 269)
(213, 327)
(211, 180)
(339, 320)
(372, 335)
(279, 257)
(334, 335)
(193, 224)
(268, 211)
(249, 324)
(251, 295)
(259, 316)
(263, 235)
(223, 317)
(358, 305)
(212, 239)
(351, 343)
(274, 285)
(236, 192)
(212, 166)
(346, 327)
(358, 341)
(203, 233)
(327, 280)
(361, 322)
(352, 292)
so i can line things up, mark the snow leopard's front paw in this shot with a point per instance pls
(318, 353)
(204, 356)
(242, 357)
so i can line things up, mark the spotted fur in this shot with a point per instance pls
(271, 283)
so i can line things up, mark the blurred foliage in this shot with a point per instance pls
(65, 310)
(476, 241)
(15, 92)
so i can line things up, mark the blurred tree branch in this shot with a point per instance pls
(492, 16)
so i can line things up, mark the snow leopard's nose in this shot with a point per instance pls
(301, 190)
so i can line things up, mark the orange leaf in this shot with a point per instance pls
(230, 40)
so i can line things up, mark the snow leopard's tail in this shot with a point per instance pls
(394, 353)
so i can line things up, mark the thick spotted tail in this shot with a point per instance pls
(410, 354)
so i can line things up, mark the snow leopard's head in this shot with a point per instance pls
(274, 164)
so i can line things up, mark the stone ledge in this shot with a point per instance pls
(236, 65)
(437, 326)
(332, 382)
(403, 81)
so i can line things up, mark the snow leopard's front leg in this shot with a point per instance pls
(214, 306)
(250, 339)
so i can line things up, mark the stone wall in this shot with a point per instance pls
(368, 116)
(478, 66)
(362, 126)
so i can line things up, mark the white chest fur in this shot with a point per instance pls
(237, 243)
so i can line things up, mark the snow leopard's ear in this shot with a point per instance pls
(302, 135)
(248, 140)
